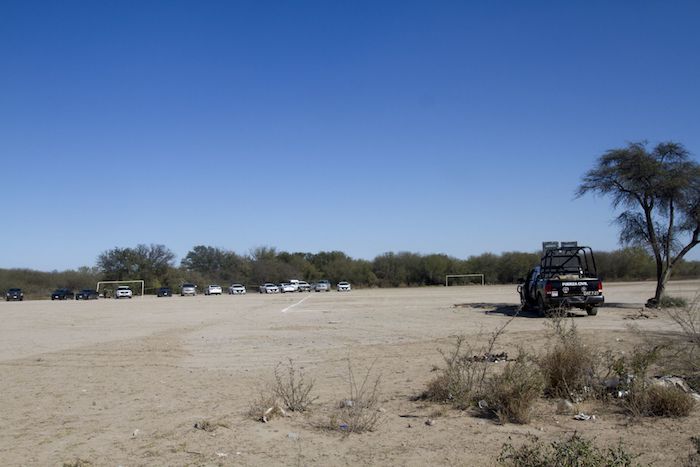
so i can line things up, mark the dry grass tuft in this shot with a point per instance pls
(77, 463)
(209, 426)
(463, 376)
(693, 459)
(569, 365)
(512, 394)
(260, 408)
(685, 358)
(360, 412)
(293, 388)
(658, 401)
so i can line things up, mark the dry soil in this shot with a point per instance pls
(123, 382)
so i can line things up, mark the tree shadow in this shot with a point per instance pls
(624, 306)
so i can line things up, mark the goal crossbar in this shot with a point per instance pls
(448, 276)
(143, 284)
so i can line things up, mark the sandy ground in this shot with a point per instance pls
(123, 382)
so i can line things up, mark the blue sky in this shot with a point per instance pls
(433, 127)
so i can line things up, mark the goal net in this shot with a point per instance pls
(464, 279)
(108, 287)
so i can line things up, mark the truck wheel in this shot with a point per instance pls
(591, 310)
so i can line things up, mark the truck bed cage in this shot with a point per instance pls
(577, 261)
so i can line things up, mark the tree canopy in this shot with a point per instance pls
(658, 192)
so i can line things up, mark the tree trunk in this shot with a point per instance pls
(661, 285)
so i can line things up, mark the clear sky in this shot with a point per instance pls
(362, 126)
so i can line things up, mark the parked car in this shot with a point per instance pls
(14, 294)
(87, 294)
(62, 294)
(188, 289)
(213, 290)
(287, 287)
(303, 286)
(236, 289)
(164, 292)
(343, 286)
(123, 291)
(269, 287)
(322, 286)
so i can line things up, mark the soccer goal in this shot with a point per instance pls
(463, 279)
(117, 283)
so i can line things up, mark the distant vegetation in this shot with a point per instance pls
(206, 265)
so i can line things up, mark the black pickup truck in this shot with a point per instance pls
(566, 277)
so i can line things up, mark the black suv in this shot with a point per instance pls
(87, 294)
(165, 292)
(62, 294)
(14, 294)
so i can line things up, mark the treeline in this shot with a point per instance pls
(156, 265)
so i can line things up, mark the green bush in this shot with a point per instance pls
(575, 451)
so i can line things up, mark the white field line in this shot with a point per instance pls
(297, 303)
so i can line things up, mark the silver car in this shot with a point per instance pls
(269, 288)
(188, 289)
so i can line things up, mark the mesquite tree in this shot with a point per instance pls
(659, 193)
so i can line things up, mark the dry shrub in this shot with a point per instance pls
(644, 398)
(462, 376)
(569, 365)
(693, 459)
(259, 408)
(575, 451)
(78, 463)
(658, 401)
(511, 394)
(459, 379)
(685, 358)
(360, 412)
(293, 388)
(668, 301)
(209, 426)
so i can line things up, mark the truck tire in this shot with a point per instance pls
(591, 310)
(542, 306)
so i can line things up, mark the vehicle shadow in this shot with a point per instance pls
(508, 309)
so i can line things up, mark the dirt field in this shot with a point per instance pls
(123, 382)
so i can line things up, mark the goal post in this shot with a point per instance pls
(451, 276)
(138, 281)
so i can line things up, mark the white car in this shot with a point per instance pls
(236, 289)
(213, 290)
(343, 286)
(303, 286)
(269, 288)
(322, 286)
(123, 291)
(287, 287)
